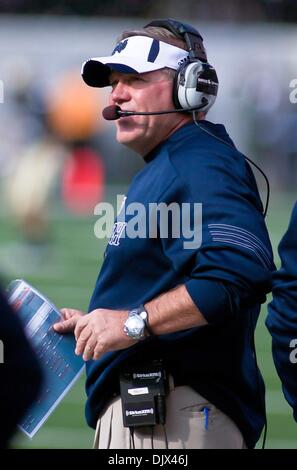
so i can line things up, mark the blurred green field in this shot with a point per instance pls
(66, 272)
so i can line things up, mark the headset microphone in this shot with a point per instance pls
(113, 112)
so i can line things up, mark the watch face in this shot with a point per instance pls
(134, 326)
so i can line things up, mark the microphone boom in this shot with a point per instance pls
(113, 112)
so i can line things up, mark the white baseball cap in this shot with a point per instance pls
(135, 54)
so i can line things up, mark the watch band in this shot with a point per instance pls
(142, 308)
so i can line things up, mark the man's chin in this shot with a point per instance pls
(130, 142)
(126, 137)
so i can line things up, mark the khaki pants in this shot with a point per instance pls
(186, 426)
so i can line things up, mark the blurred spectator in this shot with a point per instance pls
(36, 157)
(58, 126)
(74, 116)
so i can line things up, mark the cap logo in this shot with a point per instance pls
(120, 47)
(183, 61)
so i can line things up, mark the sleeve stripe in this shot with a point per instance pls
(232, 242)
(238, 236)
(248, 234)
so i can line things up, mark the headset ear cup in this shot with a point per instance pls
(196, 84)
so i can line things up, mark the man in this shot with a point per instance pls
(193, 305)
(281, 320)
(20, 372)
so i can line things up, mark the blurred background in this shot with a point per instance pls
(58, 158)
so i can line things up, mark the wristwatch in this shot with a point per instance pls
(136, 325)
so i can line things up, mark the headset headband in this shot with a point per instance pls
(192, 37)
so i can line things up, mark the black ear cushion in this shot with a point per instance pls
(179, 76)
(175, 90)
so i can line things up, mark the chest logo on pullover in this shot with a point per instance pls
(117, 231)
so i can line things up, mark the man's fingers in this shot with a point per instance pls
(69, 319)
(67, 313)
(89, 349)
(82, 340)
(65, 326)
(81, 324)
(97, 352)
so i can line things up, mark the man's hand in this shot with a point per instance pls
(68, 321)
(101, 331)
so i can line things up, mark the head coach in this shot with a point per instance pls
(169, 333)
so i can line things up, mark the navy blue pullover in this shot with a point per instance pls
(282, 316)
(227, 276)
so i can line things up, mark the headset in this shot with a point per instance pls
(196, 82)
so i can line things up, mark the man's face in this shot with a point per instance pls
(147, 92)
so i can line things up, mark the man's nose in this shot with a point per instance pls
(120, 93)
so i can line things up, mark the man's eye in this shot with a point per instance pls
(137, 80)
